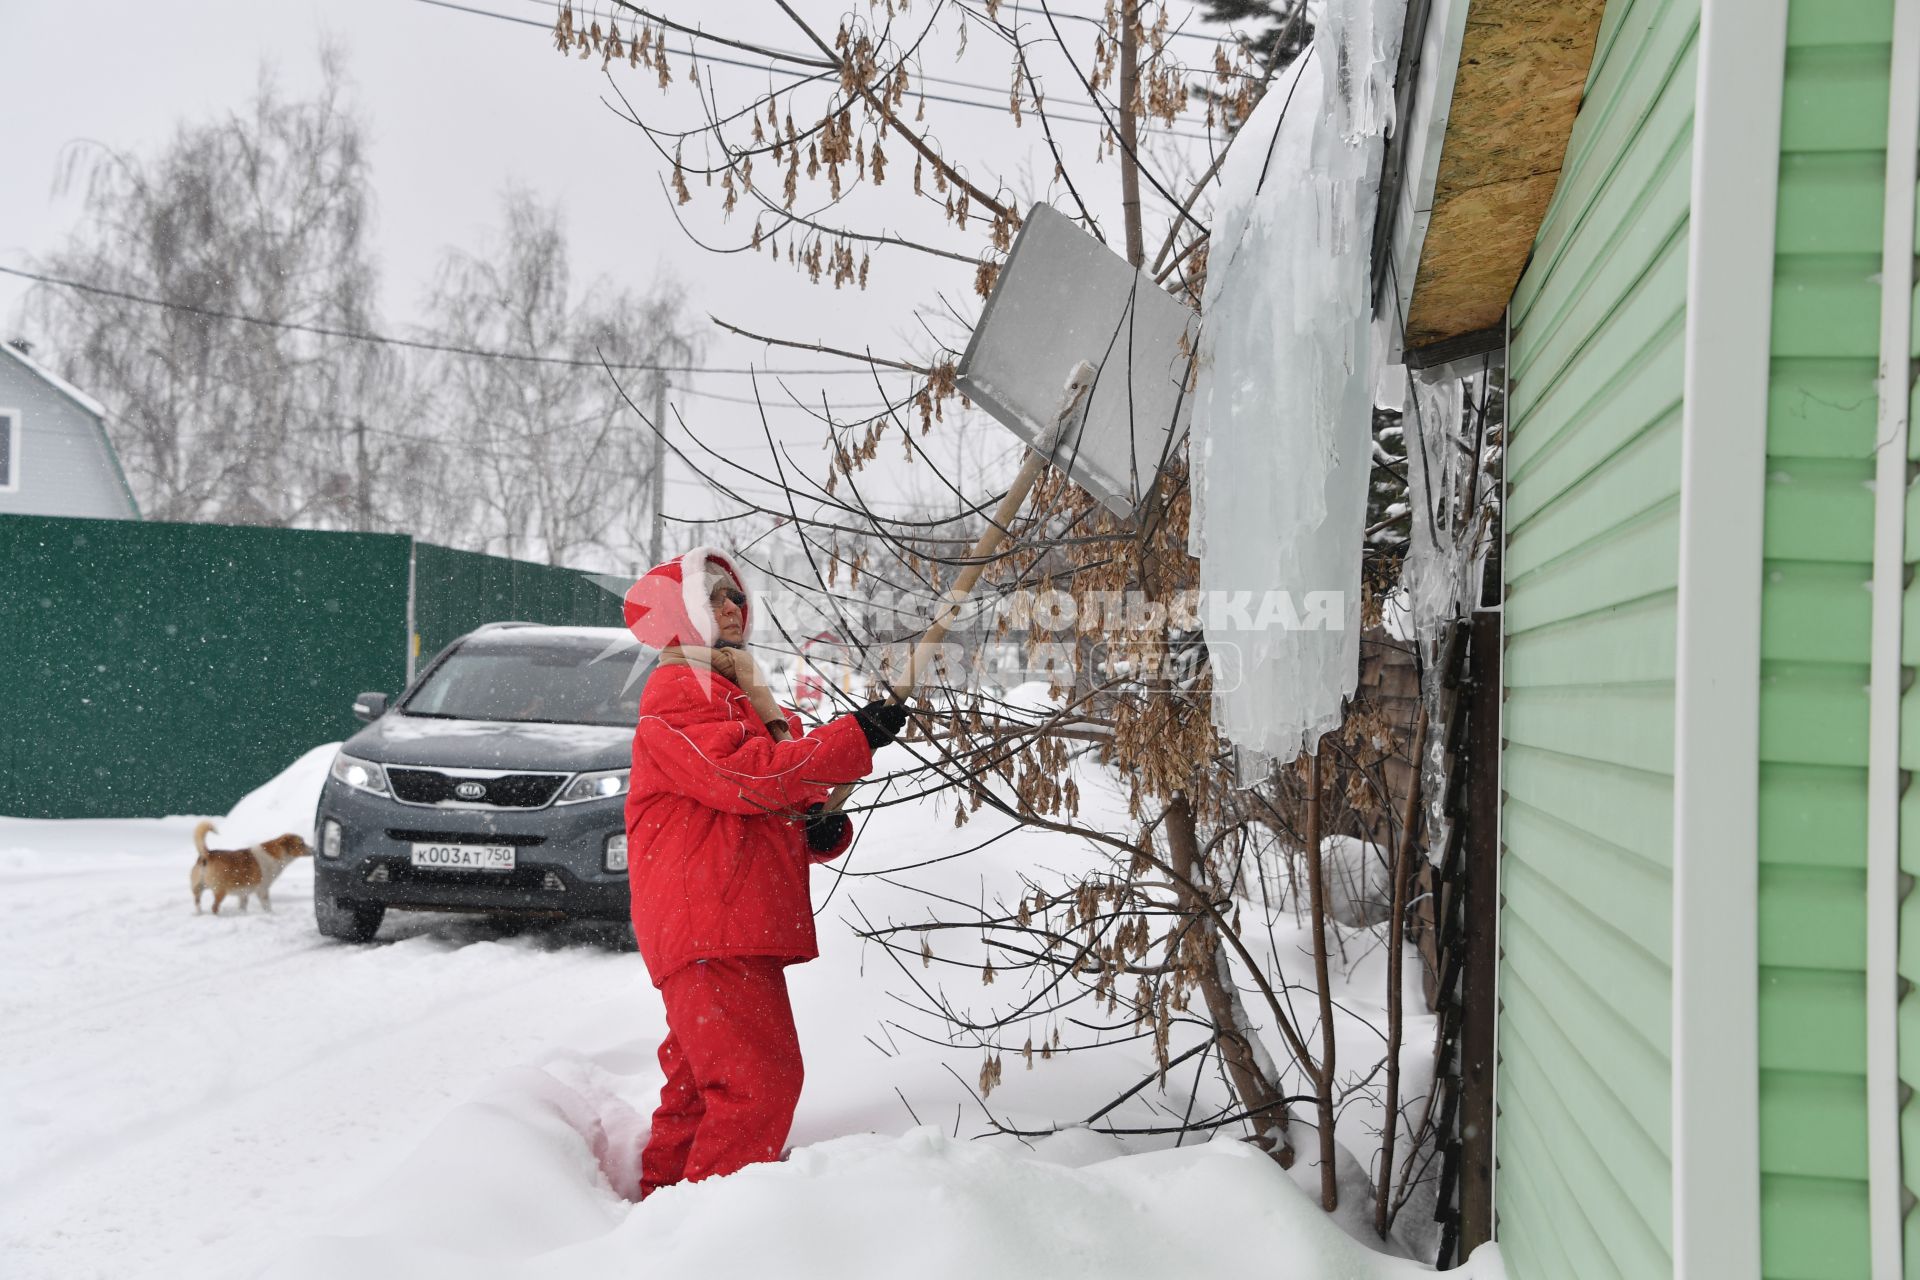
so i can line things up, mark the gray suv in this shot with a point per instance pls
(496, 783)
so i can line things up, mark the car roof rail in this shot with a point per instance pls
(496, 626)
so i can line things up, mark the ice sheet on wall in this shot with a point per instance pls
(1281, 431)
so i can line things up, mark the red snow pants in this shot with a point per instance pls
(732, 1061)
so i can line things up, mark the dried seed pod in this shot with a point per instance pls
(990, 1071)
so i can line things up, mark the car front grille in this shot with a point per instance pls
(410, 835)
(530, 879)
(504, 791)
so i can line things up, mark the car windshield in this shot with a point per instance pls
(547, 682)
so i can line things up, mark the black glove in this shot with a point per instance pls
(881, 720)
(825, 830)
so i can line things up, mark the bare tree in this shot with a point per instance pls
(547, 451)
(262, 214)
(1215, 886)
(228, 317)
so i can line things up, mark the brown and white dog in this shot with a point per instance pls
(241, 872)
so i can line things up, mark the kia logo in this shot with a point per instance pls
(470, 790)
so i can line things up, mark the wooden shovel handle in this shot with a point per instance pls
(989, 542)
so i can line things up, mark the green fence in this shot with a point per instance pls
(456, 591)
(148, 669)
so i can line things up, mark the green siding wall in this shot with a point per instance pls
(1596, 368)
(1815, 642)
(1584, 1183)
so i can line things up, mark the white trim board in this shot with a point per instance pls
(1716, 784)
(1425, 130)
(1884, 1182)
(12, 426)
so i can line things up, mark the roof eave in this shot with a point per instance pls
(1487, 118)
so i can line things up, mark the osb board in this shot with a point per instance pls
(1523, 65)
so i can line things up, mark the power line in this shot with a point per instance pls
(416, 344)
(1101, 23)
(594, 11)
(998, 106)
(755, 488)
(875, 406)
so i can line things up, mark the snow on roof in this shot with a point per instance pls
(57, 382)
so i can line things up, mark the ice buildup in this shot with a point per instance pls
(1283, 406)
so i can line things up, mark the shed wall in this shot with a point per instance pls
(1816, 641)
(1584, 1176)
(66, 466)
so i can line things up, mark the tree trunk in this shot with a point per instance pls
(1130, 133)
(1261, 1095)
(1396, 935)
(1323, 1078)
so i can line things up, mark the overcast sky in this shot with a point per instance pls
(458, 106)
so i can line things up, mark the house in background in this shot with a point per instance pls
(55, 457)
(1688, 227)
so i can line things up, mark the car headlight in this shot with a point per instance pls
(361, 775)
(616, 859)
(595, 786)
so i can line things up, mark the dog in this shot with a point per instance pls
(242, 872)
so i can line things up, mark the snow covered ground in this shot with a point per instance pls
(185, 1094)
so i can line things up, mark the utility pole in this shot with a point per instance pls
(656, 548)
(657, 543)
(363, 496)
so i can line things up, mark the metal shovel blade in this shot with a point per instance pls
(1063, 297)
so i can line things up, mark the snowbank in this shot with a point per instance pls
(510, 1185)
(1034, 696)
(234, 1095)
(285, 803)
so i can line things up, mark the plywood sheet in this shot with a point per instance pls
(1523, 67)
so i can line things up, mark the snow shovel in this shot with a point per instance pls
(1068, 309)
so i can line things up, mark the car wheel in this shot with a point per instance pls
(349, 922)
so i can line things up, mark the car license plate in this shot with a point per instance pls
(463, 857)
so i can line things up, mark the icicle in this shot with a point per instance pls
(1283, 408)
(1438, 580)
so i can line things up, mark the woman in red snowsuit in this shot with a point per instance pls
(723, 822)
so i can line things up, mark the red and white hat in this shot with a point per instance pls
(672, 603)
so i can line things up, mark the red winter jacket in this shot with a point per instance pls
(717, 853)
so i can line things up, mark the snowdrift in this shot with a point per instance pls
(514, 1185)
(458, 1100)
(284, 803)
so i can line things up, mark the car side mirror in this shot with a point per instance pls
(369, 707)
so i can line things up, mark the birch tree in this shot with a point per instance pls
(262, 213)
(544, 456)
